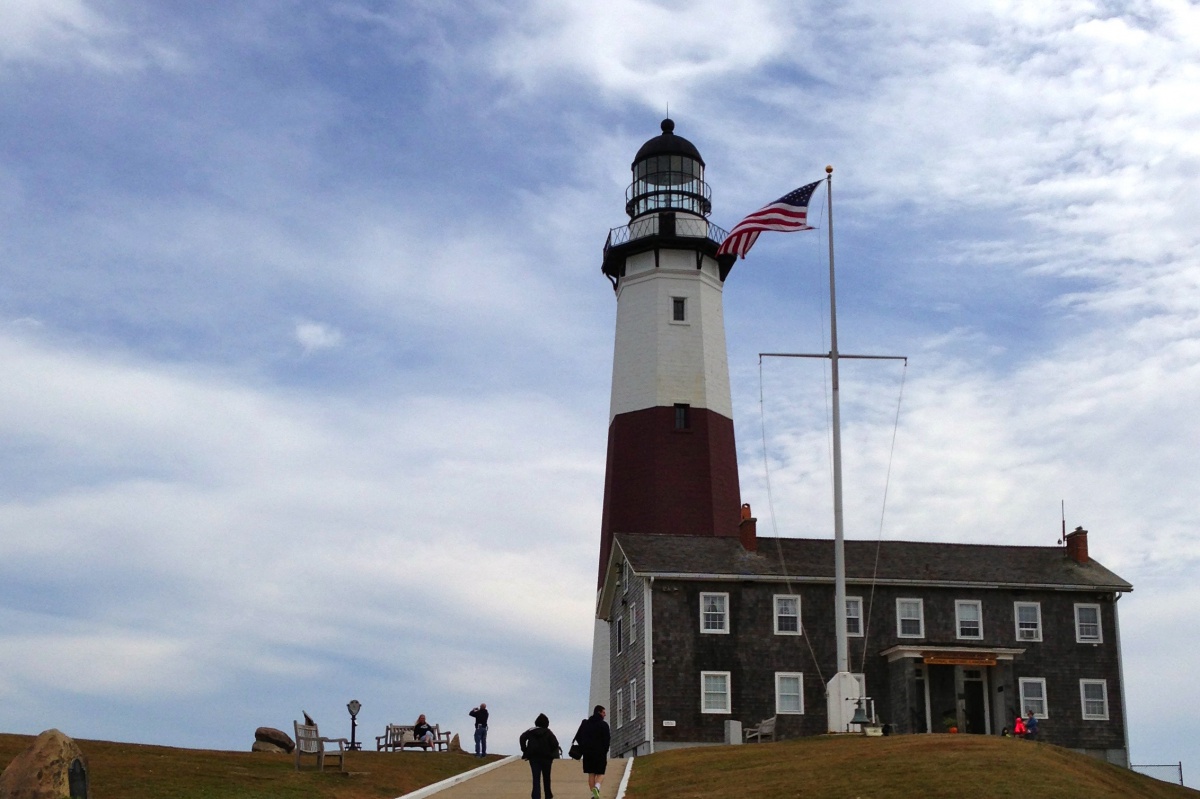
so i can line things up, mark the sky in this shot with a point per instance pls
(306, 349)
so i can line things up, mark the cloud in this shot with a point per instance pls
(314, 336)
(59, 32)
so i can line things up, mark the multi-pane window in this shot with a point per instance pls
(714, 613)
(1033, 696)
(789, 692)
(1087, 624)
(620, 706)
(714, 692)
(678, 309)
(1029, 620)
(632, 700)
(968, 615)
(854, 616)
(787, 614)
(910, 618)
(1093, 696)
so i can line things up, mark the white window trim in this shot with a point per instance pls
(785, 674)
(1083, 700)
(920, 617)
(1079, 639)
(799, 623)
(958, 619)
(725, 616)
(632, 620)
(633, 699)
(1017, 620)
(1045, 714)
(728, 691)
(620, 705)
(861, 624)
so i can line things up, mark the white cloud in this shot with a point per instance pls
(67, 31)
(315, 336)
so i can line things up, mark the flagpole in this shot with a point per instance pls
(839, 544)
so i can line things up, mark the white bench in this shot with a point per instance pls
(310, 742)
(765, 729)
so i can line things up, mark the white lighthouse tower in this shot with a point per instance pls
(672, 462)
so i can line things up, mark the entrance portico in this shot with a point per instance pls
(936, 687)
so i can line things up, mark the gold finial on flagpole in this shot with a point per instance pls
(829, 170)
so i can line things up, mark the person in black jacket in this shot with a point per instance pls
(593, 738)
(540, 748)
(480, 714)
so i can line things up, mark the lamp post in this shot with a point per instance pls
(354, 706)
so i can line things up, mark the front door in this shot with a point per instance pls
(975, 715)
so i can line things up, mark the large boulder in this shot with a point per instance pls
(279, 738)
(52, 767)
(263, 746)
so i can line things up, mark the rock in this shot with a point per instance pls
(266, 746)
(455, 746)
(52, 767)
(270, 735)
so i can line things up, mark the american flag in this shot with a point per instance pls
(787, 214)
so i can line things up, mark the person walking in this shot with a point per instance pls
(480, 714)
(593, 738)
(540, 747)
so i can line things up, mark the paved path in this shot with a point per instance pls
(513, 781)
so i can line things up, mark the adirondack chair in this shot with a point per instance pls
(765, 729)
(310, 742)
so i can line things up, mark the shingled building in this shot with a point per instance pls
(703, 630)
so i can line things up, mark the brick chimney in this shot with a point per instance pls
(1077, 545)
(748, 530)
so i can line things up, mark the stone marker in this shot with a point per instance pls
(52, 767)
(455, 746)
(279, 738)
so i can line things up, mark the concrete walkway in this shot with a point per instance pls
(511, 779)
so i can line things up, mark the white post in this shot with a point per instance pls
(842, 692)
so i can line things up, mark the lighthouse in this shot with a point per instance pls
(672, 460)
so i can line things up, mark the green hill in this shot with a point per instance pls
(895, 767)
(136, 771)
(838, 767)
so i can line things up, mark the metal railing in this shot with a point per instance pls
(1170, 772)
(648, 226)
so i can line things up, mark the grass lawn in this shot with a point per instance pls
(135, 771)
(895, 767)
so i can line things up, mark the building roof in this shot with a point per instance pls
(917, 563)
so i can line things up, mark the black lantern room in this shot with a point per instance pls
(668, 175)
(668, 204)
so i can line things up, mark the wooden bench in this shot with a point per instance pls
(310, 742)
(765, 729)
(401, 736)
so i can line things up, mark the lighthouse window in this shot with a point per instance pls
(679, 309)
(683, 416)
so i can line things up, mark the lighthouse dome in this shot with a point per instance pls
(668, 175)
(668, 144)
